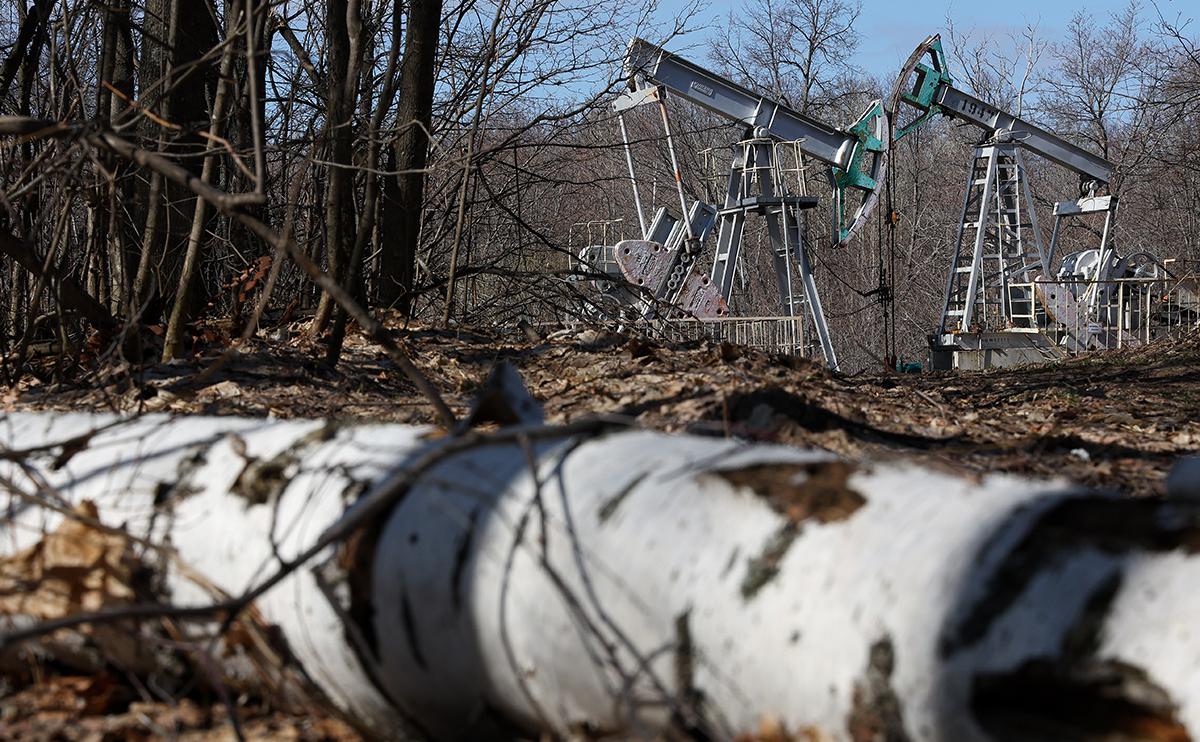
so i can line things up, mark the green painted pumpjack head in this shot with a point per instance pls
(854, 175)
(865, 166)
(929, 77)
(867, 163)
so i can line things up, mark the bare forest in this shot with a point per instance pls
(444, 163)
(317, 420)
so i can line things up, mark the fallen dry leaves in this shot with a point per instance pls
(77, 568)
(98, 708)
(1114, 420)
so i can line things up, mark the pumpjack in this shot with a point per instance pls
(1001, 294)
(661, 263)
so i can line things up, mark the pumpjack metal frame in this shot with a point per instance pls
(987, 305)
(997, 226)
(856, 156)
(856, 160)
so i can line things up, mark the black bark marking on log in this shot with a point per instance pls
(733, 555)
(1096, 702)
(162, 491)
(336, 585)
(688, 715)
(167, 492)
(760, 570)
(354, 489)
(876, 714)
(76, 445)
(1076, 696)
(461, 556)
(263, 480)
(166, 495)
(410, 630)
(609, 508)
(1082, 640)
(818, 491)
(1111, 525)
(356, 560)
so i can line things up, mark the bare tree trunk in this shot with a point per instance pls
(150, 232)
(344, 30)
(468, 164)
(160, 16)
(25, 59)
(181, 312)
(178, 83)
(32, 26)
(366, 222)
(116, 89)
(14, 307)
(245, 128)
(404, 195)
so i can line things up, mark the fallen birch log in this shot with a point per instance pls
(632, 583)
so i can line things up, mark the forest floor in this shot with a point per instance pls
(1117, 420)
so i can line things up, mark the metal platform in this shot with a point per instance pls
(1062, 319)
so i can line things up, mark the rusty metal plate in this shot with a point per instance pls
(642, 262)
(701, 298)
(1060, 305)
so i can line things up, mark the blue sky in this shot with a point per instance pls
(890, 29)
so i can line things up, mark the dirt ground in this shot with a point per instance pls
(1114, 420)
(1117, 420)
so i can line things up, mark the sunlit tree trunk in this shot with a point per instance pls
(176, 80)
(343, 28)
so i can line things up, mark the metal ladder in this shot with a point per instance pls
(731, 220)
(1022, 306)
(993, 245)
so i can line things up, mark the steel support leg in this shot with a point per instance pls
(814, 307)
(980, 234)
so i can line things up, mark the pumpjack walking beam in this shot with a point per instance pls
(857, 156)
(932, 92)
(999, 222)
(856, 160)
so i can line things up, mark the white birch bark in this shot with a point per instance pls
(642, 581)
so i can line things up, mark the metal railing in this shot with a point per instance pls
(602, 232)
(783, 335)
(1083, 316)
